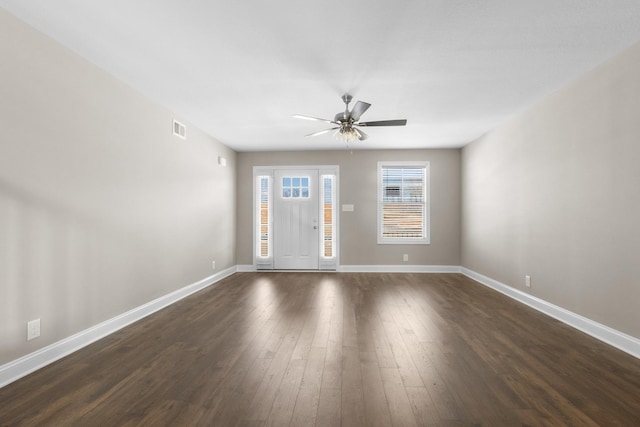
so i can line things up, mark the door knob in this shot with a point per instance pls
(315, 227)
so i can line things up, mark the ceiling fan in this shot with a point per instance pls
(347, 123)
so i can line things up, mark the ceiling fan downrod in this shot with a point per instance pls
(346, 98)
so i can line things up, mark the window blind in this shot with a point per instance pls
(328, 220)
(403, 202)
(262, 245)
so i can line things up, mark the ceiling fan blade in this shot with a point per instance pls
(359, 109)
(298, 116)
(322, 131)
(384, 123)
(361, 135)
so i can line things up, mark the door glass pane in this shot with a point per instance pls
(295, 187)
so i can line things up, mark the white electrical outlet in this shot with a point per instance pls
(33, 329)
(405, 257)
(213, 265)
(527, 281)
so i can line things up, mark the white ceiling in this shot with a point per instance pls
(239, 69)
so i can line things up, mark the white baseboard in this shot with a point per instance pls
(620, 340)
(18, 368)
(245, 268)
(399, 269)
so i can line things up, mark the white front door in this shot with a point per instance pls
(295, 226)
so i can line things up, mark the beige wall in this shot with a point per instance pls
(555, 193)
(358, 184)
(101, 208)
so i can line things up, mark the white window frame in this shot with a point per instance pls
(426, 223)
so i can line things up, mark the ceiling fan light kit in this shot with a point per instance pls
(347, 122)
(349, 135)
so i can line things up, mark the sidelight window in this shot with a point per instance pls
(263, 232)
(328, 208)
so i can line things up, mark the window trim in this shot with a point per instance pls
(426, 240)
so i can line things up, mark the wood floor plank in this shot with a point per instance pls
(329, 408)
(422, 405)
(398, 403)
(321, 335)
(306, 407)
(332, 372)
(266, 391)
(349, 325)
(285, 401)
(437, 389)
(303, 346)
(241, 384)
(352, 408)
(349, 349)
(375, 400)
(406, 367)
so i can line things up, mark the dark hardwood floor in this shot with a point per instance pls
(348, 349)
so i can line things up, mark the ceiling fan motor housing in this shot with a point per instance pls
(343, 117)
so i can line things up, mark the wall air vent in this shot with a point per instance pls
(179, 129)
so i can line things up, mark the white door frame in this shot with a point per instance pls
(266, 262)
